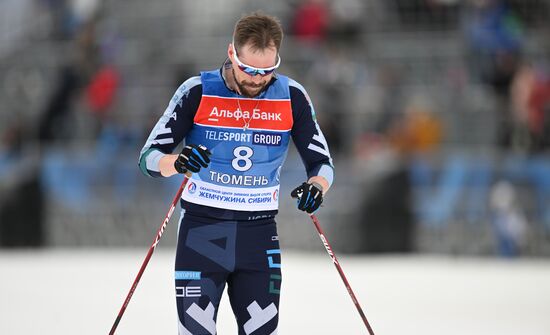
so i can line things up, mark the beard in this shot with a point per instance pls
(249, 89)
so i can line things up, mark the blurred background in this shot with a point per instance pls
(437, 113)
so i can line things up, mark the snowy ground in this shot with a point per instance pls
(81, 291)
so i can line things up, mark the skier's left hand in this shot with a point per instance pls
(309, 197)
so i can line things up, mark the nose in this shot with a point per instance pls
(256, 79)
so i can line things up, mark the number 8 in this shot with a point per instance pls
(242, 158)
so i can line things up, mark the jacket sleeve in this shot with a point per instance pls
(307, 135)
(172, 127)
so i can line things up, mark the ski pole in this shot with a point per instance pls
(340, 271)
(149, 254)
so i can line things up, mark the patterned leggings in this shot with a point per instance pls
(243, 254)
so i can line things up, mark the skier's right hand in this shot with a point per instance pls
(192, 158)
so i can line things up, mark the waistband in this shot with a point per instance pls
(225, 214)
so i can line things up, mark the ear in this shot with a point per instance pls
(230, 52)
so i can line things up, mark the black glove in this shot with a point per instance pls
(192, 157)
(309, 197)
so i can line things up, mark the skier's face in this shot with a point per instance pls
(253, 69)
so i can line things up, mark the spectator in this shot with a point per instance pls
(495, 39)
(21, 195)
(531, 107)
(509, 222)
(310, 21)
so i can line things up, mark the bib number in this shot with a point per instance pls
(242, 161)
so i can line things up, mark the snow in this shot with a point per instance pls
(80, 291)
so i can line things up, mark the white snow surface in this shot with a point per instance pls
(81, 291)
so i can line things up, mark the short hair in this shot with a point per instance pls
(262, 31)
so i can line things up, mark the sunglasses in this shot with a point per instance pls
(251, 70)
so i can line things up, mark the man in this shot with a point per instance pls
(237, 122)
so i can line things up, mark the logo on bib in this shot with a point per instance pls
(192, 188)
(267, 138)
